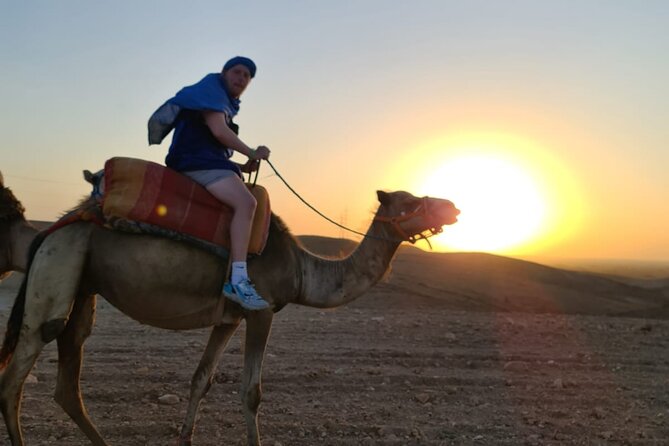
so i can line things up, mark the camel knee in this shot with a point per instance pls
(66, 399)
(50, 330)
(202, 380)
(10, 400)
(4, 399)
(70, 403)
(252, 396)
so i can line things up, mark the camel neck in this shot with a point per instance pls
(328, 283)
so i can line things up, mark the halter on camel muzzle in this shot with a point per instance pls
(421, 211)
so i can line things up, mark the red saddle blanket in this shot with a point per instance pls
(148, 192)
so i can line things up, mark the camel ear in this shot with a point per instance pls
(384, 197)
(88, 176)
(2, 180)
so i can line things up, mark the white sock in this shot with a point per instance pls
(239, 272)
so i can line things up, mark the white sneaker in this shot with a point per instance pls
(245, 295)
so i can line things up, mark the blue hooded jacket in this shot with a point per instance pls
(193, 146)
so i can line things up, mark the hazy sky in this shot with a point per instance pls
(355, 96)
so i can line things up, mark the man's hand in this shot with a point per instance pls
(261, 153)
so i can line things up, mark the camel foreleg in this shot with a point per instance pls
(258, 326)
(202, 379)
(70, 356)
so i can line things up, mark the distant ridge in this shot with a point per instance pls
(487, 282)
(40, 224)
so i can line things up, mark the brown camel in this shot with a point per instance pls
(173, 285)
(16, 233)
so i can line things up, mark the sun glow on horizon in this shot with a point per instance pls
(500, 203)
(509, 198)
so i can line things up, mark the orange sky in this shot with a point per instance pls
(549, 119)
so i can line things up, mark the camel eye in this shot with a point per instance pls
(414, 206)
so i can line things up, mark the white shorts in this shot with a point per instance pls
(207, 177)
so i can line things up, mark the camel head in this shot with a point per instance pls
(11, 209)
(11, 214)
(412, 216)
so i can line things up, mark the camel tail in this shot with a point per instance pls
(16, 316)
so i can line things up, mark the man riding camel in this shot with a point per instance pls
(204, 140)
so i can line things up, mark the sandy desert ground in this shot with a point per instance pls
(484, 350)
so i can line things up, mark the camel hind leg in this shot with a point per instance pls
(11, 382)
(70, 356)
(30, 344)
(52, 284)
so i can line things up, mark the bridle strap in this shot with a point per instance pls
(421, 210)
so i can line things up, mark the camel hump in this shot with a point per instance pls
(147, 192)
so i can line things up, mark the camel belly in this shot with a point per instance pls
(158, 282)
(169, 311)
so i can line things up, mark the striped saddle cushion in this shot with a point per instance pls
(148, 192)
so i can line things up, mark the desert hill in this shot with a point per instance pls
(486, 282)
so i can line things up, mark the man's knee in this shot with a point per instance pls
(249, 205)
(244, 206)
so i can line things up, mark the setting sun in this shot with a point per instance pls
(514, 199)
(500, 203)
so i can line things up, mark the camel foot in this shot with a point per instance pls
(184, 441)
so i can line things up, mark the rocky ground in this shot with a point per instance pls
(385, 370)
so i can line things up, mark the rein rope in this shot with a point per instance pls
(393, 220)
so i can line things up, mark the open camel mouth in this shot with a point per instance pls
(446, 212)
(454, 217)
